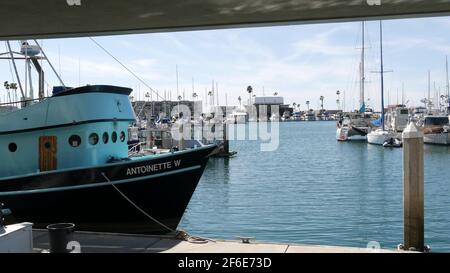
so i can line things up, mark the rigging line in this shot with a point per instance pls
(45, 56)
(10, 68)
(15, 68)
(12, 80)
(136, 206)
(124, 66)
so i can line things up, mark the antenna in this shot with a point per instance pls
(176, 72)
(15, 68)
(51, 66)
(217, 91)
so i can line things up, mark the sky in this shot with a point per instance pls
(299, 62)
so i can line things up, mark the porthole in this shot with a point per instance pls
(105, 137)
(12, 147)
(122, 136)
(93, 139)
(47, 145)
(74, 140)
(114, 137)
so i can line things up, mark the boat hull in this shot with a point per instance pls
(86, 197)
(349, 134)
(439, 139)
(379, 137)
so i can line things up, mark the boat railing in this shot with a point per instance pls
(136, 148)
(22, 101)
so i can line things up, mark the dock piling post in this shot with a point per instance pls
(226, 144)
(181, 141)
(413, 188)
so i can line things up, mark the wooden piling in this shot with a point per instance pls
(181, 138)
(413, 188)
(226, 144)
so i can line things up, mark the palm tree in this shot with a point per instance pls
(321, 99)
(338, 101)
(239, 99)
(179, 99)
(294, 104)
(250, 90)
(194, 95)
(307, 105)
(275, 94)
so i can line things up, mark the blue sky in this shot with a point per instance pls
(300, 62)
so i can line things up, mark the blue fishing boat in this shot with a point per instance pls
(65, 159)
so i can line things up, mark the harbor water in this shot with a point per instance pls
(315, 190)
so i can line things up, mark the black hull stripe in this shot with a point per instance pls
(135, 179)
(63, 125)
(95, 89)
(136, 160)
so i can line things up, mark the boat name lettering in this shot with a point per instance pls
(153, 168)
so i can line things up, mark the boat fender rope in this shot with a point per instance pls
(426, 249)
(179, 234)
(183, 235)
(136, 206)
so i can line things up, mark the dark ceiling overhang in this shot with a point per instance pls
(70, 18)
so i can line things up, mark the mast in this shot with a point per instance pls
(15, 69)
(448, 86)
(403, 93)
(361, 95)
(176, 72)
(382, 77)
(429, 90)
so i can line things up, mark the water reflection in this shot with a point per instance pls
(316, 190)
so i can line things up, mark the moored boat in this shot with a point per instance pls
(65, 159)
(436, 129)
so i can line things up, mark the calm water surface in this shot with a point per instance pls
(315, 190)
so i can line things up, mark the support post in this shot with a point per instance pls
(413, 188)
(226, 144)
(181, 141)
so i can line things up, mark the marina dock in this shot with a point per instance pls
(92, 242)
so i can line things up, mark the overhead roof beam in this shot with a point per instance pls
(21, 19)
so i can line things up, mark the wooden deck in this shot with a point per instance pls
(92, 242)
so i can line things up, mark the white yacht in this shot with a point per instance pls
(274, 117)
(397, 118)
(238, 116)
(309, 115)
(381, 136)
(436, 129)
(296, 116)
(286, 116)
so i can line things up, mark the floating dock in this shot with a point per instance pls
(93, 242)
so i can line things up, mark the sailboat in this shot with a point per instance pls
(355, 125)
(381, 136)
